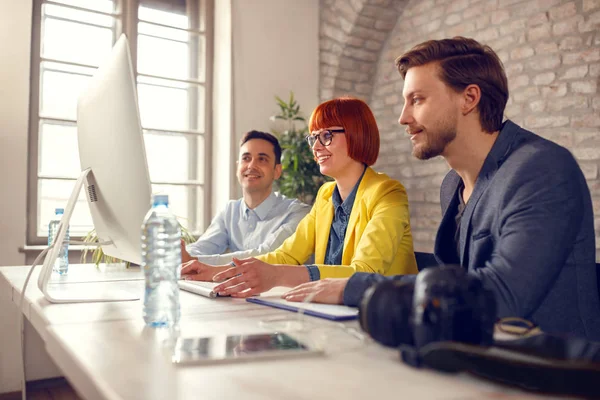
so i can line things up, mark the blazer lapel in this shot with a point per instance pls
(355, 214)
(448, 199)
(323, 221)
(501, 149)
(465, 223)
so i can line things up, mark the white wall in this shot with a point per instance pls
(275, 50)
(15, 39)
(15, 42)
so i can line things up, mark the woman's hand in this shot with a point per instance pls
(328, 291)
(248, 278)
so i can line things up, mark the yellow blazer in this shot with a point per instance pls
(378, 237)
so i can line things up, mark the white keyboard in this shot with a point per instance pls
(198, 287)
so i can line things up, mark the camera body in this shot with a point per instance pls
(444, 304)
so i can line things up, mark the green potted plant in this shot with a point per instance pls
(301, 177)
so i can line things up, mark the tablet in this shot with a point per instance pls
(234, 348)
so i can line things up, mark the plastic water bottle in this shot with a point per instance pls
(161, 256)
(61, 265)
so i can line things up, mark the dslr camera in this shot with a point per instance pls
(444, 304)
(445, 321)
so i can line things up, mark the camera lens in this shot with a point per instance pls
(445, 304)
(451, 305)
(384, 313)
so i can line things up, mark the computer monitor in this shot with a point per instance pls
(112, 146)
(114, 168)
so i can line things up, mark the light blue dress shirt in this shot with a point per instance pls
(246, 232)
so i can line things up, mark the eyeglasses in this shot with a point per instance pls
(325, 137)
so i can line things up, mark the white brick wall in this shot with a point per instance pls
(550, 49)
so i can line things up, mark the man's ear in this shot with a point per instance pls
(277, 171)
(470, 99)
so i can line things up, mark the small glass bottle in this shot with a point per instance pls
(61, 265)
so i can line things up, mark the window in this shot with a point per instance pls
(169, 46)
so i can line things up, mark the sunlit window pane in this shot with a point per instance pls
(180, 199)
(59, 155)
(163, 57)
(59, 92)
(163, 17)
(171, 157)
(167, 157)
(164, 104)
(162, 32)
(78, 15)
(106, 6)
(166, 51)
(69, 41)
(55, 194)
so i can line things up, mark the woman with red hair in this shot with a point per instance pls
(359, 222)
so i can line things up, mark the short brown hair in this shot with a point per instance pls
(355, 116)
(464, 61)
(264, 136)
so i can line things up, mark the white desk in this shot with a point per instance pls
(39, 366)
(106, 353)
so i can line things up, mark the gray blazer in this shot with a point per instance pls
(527, 232)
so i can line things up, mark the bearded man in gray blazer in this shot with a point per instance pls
(517, 211)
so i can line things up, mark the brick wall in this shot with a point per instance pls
(550, 49)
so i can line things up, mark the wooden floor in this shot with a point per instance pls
(49, 389)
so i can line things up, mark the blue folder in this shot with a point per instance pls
(330, 312)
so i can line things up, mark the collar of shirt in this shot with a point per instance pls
(262, 210)
(349, 202)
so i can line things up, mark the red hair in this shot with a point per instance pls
(355, 116)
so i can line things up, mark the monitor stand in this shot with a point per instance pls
(69, 293)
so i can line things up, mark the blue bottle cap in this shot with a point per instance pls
(160, 199)
(59, 211)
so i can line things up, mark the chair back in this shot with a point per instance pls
(425, 260)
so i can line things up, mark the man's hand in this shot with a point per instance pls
(248, 278)
(194, 270)
(185, 256)
(328, 291)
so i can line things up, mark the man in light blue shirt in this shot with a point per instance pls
(261, 220)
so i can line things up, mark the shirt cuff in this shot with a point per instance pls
(313, 272)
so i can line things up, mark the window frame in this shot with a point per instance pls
(126, 21)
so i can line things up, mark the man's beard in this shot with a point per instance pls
(435, 141)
